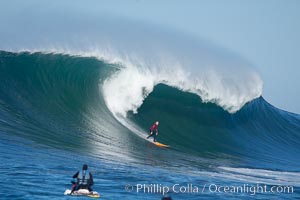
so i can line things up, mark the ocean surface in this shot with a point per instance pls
(59, 111)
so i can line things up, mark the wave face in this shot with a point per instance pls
(259, 133)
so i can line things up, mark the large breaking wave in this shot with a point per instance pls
(73, 102)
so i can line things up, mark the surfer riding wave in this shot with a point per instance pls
(154, 131)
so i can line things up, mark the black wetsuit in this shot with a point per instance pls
(154, 134)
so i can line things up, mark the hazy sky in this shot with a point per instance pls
(265, 32)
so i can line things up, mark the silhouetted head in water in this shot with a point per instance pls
(166, 198)
(84, 167)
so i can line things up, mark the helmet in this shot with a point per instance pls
(157, 122)
(84, 167)
(166, 198)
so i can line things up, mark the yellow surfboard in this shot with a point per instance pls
(160, 144)
(94, 195)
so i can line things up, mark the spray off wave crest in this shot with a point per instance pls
(126, 89)
(147, 55)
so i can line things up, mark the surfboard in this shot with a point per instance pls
(83, 192)
(160, 144)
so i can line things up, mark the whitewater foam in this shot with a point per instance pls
(126, 90)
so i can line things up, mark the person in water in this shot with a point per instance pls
(84, 179)
(166, 198)
(154, 131)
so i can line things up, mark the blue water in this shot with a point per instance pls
(54, 118)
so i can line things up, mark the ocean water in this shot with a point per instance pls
(59, 111)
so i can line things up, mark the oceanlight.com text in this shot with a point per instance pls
(251, 189)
